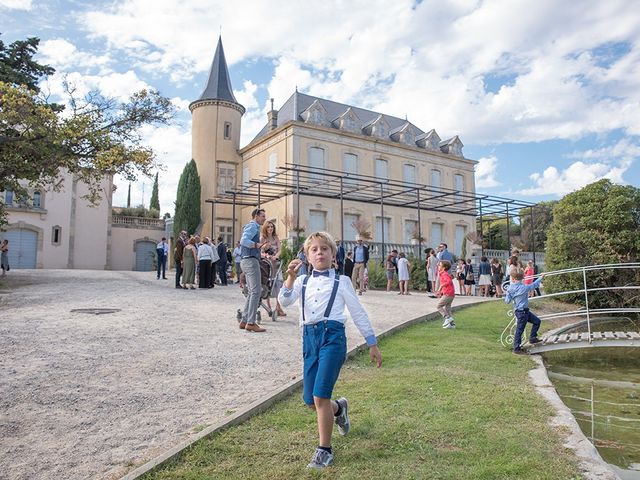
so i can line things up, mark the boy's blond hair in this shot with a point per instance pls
(517, 275)
(324, 237)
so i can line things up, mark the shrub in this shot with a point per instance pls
(377, 275)
(598, 224)
(418, 274)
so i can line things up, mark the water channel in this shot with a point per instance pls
(601, 386)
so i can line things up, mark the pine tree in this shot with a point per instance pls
(187, 216)
(129, 197)
(154, 204)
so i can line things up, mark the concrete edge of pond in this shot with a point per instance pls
(594, 467)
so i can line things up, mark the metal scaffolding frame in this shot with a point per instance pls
(300, 180)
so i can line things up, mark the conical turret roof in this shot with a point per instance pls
(219, 84)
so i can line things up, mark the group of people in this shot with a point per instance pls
(196, 258)
(326, 280)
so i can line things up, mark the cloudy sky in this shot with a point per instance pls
(544, 94)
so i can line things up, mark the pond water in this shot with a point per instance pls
(601, 386)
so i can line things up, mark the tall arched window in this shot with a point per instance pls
(37, 199)
(316, 161)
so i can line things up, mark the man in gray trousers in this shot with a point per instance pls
(250, 264)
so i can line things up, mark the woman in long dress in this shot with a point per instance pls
(403, 274)
(189, 260)
(432, 269)
(271, 250)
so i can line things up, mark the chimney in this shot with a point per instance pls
(272, 117)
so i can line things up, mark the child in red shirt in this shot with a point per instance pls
(446, 292)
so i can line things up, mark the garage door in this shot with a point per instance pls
(145, 255)
(23, 246)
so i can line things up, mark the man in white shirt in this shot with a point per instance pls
(162, 252)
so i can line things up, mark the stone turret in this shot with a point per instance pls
(215, 140)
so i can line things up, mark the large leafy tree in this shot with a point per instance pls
(92, 138)
(494, 231)
(17, 66)
(534, 232)
(187, 215)
(599, 224)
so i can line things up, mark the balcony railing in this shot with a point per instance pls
(139, 222)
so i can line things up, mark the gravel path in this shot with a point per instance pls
(92, 396)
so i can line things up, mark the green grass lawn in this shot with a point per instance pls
(450, 404)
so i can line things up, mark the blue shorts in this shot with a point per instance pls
(324, 348)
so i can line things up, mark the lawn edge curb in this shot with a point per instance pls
(589, 459)
(262, 404)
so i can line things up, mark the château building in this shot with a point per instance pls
(324, 137)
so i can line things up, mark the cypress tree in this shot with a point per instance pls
(154, 204)
(187, 216)
(129, 197)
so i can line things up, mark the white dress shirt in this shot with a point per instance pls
(318, 293)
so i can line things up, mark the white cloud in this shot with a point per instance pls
(560, 182)
(624, 150)
(16, 4)
(486, 171)
(63, 55)
(246, 96)
(172, 145)
(428, 60)
(114, 85)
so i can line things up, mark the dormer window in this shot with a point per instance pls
(430, 141)
(407, 138)
(348, 124)
(348, 121)
(377, 128)
(316, 114)
(453, 146)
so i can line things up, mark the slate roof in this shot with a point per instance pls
(299, 102)
(219, 84)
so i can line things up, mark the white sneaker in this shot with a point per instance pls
(451, 325)
(447, 321)
(321, 459)
(343, 420)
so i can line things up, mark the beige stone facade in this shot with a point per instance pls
(62, 230)
(320, 134)
(215, 142)
(59, 229)
(293, 142)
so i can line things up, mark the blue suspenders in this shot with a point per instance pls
(334, 292)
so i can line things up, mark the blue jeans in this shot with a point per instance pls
(324, 348)
(523, 317)
(162, 265)
(251, 268)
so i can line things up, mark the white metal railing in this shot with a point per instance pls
(506, 338)
(137, 221)
(523, 256)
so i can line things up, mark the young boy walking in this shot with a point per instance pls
(446, 292)
(323, 296)
(518, 293)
